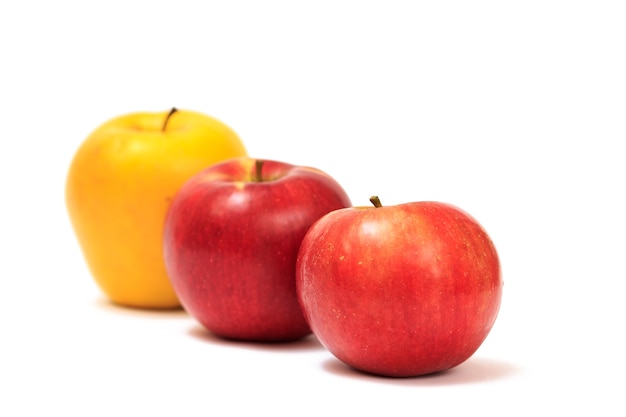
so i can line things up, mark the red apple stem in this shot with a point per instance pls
(167, 118)
(376, 201)
(258, 170)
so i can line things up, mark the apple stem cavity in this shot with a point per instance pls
(167, 118)
(376, 201)
(258, 170)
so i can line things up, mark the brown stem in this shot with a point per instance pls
(376, 201)
(258, 170)
(167, 118)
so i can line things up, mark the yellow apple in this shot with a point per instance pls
(119, 187)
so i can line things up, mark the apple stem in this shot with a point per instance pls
(167, 118)
(259, 170)
(376, 201)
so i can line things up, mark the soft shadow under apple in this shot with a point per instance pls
(308, 343)
(473, 371)
(105, 304)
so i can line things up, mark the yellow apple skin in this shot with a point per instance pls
(119, 187)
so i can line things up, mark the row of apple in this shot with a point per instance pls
(170, 211)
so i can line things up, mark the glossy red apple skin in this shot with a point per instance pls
(231, 243)
(399, 291)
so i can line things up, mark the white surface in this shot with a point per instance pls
(514, 112)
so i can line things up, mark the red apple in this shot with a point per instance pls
(399, 291)
(231, 240)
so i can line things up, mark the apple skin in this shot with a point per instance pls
(399, 291)
(118, 189)
(231, 242)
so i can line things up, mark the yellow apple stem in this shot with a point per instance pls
(376, 201)
(167, 118)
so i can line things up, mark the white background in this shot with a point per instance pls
(514, 111)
